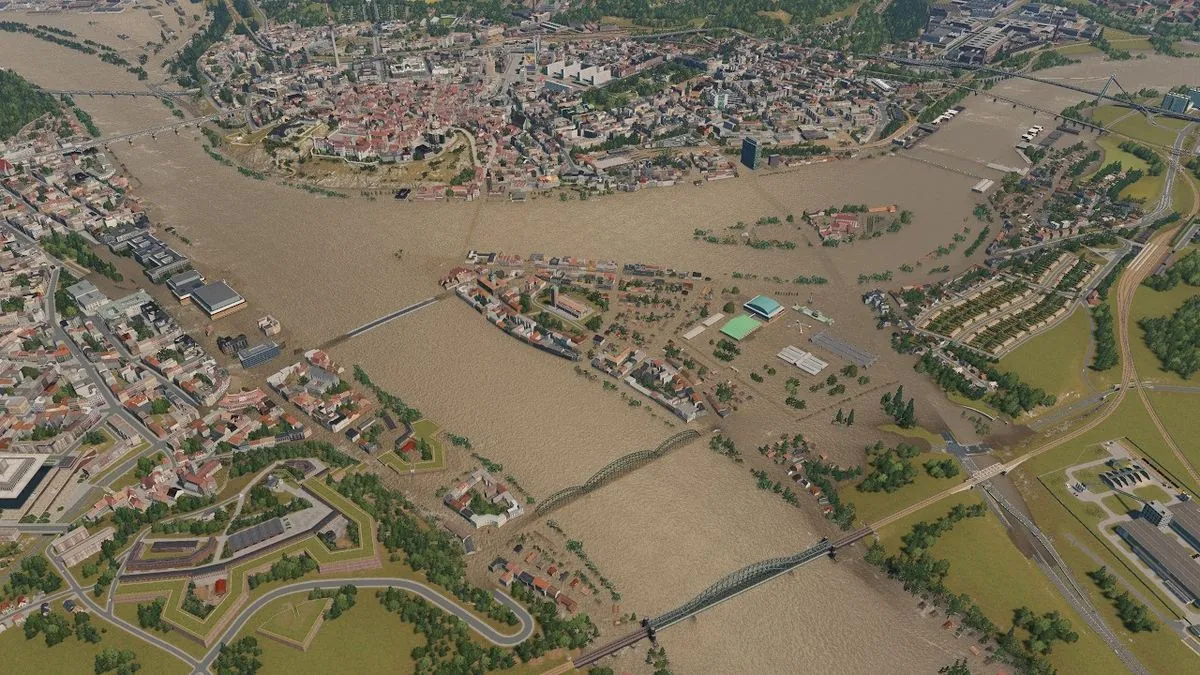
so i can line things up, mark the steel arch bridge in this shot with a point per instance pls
(739, 582)
(614, 470)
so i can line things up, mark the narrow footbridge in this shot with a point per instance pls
(730, 586)
(614, 470)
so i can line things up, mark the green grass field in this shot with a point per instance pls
(294, 618)
(918, 432)
(1078, 49)
(18, 655)
(985, 565)
(128, 612)
(378, 641)
(1054, 361)
(1178, 413)
(1181, 195)
(1121, 504)
(872, 505)
(1161, 132)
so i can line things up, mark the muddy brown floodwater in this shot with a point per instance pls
(664, 533)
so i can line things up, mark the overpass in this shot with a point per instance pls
(729, 586)
(1098, 95)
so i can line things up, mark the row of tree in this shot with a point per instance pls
(1133, 614)
(257, 459)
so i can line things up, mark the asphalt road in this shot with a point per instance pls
(88, 599)
(427, 592)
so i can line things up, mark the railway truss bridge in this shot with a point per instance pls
(729, 586)
(614, 470)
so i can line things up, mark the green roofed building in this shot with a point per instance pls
(739, 327)
(764, 307)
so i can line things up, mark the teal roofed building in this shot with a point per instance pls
(764, 307)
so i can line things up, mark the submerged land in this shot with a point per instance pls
(965, 334)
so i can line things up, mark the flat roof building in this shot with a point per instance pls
(741, 326)
(1164, 554)
(217, 299)
(1185, 521)
(258, 354)
(764, 307)
(184, 283)
(87, 296)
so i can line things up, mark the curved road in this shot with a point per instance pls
(415, 587)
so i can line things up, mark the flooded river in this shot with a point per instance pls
(323, 266)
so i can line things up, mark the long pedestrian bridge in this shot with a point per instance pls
(729, 586)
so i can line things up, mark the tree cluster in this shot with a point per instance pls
(427, 547)
(448, 646)
(343, 599)
(284, 569)
(1106, 355)
(258, 459)
(239, 657)
(941, 468)
(150, 616)
(119, 661)
(34, 574)
(1175, 340)
(891, 468)
(1133, 614)
(903, 413)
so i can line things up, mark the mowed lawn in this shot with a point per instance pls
(18, 655)
(1054, 361)
(986, 565)
(376, 640)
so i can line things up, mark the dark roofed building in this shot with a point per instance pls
(217, 299)
(1185, 522)
(255, 535)
(1166, 556)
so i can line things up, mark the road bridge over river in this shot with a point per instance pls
(728, 587)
